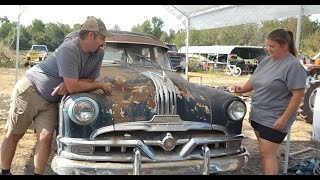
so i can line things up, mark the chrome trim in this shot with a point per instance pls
(168, 137)
(165, 92)
(64, 166)
(102, 130)
(142, 145)
(112, 143)
(206, 159)
(136, 162)
(221, 129)
(159, 123)
(189, 147)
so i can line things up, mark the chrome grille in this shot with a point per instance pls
(166, 98)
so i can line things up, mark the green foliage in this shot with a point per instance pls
(52, 34)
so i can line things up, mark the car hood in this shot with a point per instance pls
(139, 93)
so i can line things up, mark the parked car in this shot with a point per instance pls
(36, 55)
(154, 122)
(175, 57)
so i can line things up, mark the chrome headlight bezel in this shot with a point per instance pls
(236, 110)
(75, 103)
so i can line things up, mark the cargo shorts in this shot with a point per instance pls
(27, 106)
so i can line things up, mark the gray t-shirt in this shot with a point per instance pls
(70, 61)
(272, 84)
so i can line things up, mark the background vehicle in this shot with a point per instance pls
(155, 122)
(175, 57)
(247, 59)
(36, 54)
(313, 82)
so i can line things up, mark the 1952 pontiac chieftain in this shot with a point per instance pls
(154, 122)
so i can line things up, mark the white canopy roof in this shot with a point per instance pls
(211, 49)
(215, 16)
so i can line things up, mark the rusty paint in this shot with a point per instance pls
(130, 89)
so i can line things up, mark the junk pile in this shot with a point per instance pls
(306, 167)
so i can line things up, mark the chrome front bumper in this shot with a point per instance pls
(205, 166)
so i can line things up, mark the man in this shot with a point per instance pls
(72, 68)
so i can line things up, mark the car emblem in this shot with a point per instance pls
(168, 142)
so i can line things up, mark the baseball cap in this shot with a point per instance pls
(95, 25)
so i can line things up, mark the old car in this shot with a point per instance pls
(154, 122)
(36, 55)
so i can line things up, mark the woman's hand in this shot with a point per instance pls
(237, 89)
(279, 124)
(308, 67)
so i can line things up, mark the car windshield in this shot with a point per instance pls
(136, 54)
(39, 48)
(172, 48)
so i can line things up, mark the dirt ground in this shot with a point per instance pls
(301, 132)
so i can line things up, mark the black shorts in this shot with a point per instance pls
(268, 133)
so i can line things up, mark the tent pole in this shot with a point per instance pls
(187, 45)
(17, 44)
(299, 28)
(287, 150)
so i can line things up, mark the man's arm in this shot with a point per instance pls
(87, 80)
(70, 86)
(77, 85)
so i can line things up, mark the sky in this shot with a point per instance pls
(125, 16)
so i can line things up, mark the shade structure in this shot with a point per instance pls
(199, 17)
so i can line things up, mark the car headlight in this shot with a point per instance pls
(83, 110)
(236, 110)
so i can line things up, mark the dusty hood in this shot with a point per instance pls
(139, 94)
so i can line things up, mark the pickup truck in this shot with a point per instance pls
(36, 54)
(175, 57)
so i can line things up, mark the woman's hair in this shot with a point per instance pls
(282, 36)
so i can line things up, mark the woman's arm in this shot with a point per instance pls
(294, 103)
(245, 88)
(309, 67)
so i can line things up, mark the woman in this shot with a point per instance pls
(278, 87)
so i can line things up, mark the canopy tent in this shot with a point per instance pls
(215, 16)
(199, 17)
(212, 49)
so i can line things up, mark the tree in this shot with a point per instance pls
(116, 27)
(4, 20)
(145, 27)
(76, 27)
(157, 25)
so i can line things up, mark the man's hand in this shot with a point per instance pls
(107, 88)
(61, 89)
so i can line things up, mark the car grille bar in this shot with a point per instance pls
(136, 162)
(189, 147)
(206, 160)
(165, 93)
(143, 146)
